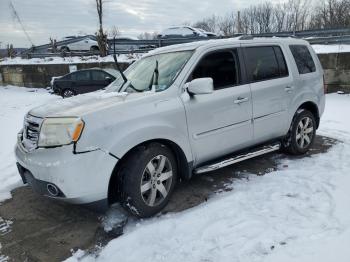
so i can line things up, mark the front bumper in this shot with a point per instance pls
(80, 178)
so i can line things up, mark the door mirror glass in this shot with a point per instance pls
(201, 86)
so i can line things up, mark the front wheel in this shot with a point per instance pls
(149, 176)
(301, 134)
(67, 93)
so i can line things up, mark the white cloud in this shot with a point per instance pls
(53, 18)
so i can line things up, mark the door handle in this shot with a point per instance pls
(240, 100)
(289, 89)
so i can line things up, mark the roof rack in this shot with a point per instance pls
(246, 37)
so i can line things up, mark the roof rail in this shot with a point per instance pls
(246, 37)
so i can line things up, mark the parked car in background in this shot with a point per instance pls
(209, 34)
(179, 111)
(123, 44)
(82, 44)
(185, 31)
(83, 81)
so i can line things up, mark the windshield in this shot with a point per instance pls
(142, 74)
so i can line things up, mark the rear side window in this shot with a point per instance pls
(281, 61)
(303, 59)
(264, 63)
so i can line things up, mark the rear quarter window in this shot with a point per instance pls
(303, 59)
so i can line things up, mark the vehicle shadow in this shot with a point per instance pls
(39, 229)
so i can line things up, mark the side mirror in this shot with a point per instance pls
(201, 86)
(108, 79)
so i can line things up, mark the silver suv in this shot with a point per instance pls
(178, 111)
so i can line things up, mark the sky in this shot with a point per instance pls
(43, 19)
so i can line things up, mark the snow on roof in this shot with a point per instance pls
(331, 49)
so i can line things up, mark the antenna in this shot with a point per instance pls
(15, 14)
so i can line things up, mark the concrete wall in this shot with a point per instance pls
(337, 71)
(39, 75)
(336, 67)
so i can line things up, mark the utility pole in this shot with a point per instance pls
(239, 21)
(16, 16)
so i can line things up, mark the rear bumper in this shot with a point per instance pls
(80, 178)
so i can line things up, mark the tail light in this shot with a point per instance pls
(325, 89)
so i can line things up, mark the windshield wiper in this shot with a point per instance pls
(120, 71)
(155, 77)
(125, 79)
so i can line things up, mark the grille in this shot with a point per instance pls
(31, 132)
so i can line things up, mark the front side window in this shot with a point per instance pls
(303, 59)
(261, 63)
(222, 67)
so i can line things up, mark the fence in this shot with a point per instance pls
(125, 46)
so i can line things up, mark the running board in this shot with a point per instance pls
(238, 158)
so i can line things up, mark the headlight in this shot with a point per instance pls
(60, 131)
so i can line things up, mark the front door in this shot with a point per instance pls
(219, 123)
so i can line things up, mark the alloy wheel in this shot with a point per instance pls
(68, 93)
(156, 181)
(304, 132)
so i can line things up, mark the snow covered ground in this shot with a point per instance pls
(331, 49)
(68, 60)
(301, 212)
(15, 102)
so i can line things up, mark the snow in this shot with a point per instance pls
(300, 212)
(15, 102)
(69, 60)
(331, 49)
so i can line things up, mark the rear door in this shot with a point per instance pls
(219, 123)
(272, 86)
(99, 79)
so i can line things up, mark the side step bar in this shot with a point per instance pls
(238, 158)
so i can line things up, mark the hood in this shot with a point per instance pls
(83, 104)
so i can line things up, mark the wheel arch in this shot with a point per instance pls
(184, 167)
(313, 108)
(94, 47)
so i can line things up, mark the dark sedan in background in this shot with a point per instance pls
(83, 81)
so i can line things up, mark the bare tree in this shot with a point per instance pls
(208, 24)
(114, 32)
(10, 50)
(292, 16)
(148, 36)
(227, 25)
(53, 44)
(100, 34)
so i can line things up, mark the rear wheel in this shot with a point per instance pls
(65, 49)
(301, 134)
(94, 49)
(68, 93)
(148, 176)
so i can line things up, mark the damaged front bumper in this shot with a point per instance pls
(60, 174)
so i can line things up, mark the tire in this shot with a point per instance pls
(148, 177)
(301, 134)
(94, 49)
(67, 93)
(65, 49)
